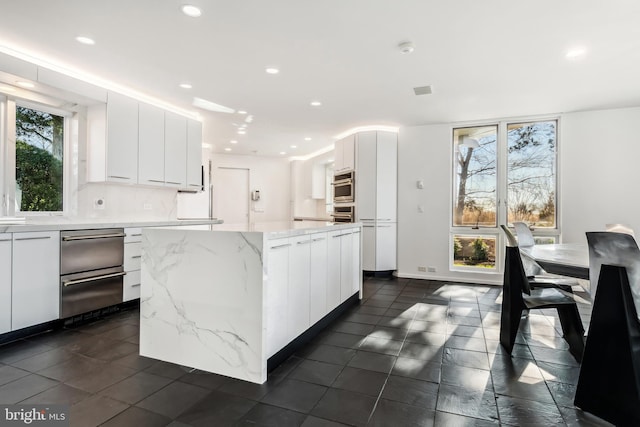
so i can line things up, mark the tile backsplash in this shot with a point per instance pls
(98, 200)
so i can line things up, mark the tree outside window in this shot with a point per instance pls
(39, 160)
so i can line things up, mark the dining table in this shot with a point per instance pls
(565, 259)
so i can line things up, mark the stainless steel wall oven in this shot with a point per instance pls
(343, 188)
(91, 271)
(343, 213)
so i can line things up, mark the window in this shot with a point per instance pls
(503, 173)
(39, 161)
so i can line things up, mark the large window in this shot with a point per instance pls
(39, 161)
(503, 173)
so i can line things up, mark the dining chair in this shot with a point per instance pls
(536, 275)
(609, 381)
(517, 296)
(525, 237)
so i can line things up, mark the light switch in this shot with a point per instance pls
(420, 184)
(420, 209)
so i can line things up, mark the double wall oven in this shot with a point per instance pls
(344, 197)
(91, 270)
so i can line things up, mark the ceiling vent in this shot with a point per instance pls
(423, 90)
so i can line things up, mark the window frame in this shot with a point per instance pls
(501, 188)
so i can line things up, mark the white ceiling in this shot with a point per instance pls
(485, 59)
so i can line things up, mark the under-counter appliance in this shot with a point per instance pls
(343, 213)
(343, 187)
(91, 270)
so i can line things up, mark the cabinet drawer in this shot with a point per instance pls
(132, 254)
(131, 286)
(132, 235)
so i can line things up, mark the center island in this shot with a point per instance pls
(237, 300)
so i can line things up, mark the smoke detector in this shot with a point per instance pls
(406, 47)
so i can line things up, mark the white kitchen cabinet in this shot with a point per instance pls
(333, 269)
(346, 266)
(277, 289)
(386, 176)
(318, 277)
(369, 249)
(299, 281)
(194, 154)
(345, 154)
(356, 262)
(36, 278)
(366, 171)
(385, 246)
(122, 138)
(5, 282)
(151, 145)
(132, 258)
(175, 154)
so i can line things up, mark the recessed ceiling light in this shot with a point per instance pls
(576, 52)
(233, 141)
(283, 152)
(294, 146)
(227, 149)
(316, 103)
(307, 139)
(205, 145)
(271, 70)
(249, 119)
(85, 40)
(242, 112)
(191, 10)
(242, 126)
(242, 132)
(185, 85)
(25, 84)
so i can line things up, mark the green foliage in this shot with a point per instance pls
(457, 248)
(480, 250)
(39, 176)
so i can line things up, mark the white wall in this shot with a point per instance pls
(270, 176)
(599, 154)
(124, 202)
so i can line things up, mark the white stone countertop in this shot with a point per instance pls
(277, 229)
(62, 223)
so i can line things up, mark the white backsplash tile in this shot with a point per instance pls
(121, 201)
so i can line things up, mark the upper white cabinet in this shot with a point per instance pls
(194, 154)
(122, 139)
(345, 154)
(150, 145)
(366, 177)
(175, 150)
(36, 278)
(376, 176)
(5, 282)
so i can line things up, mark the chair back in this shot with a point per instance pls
(525, 237)
(515, 278)
(619, 249)
(531, 268)
(511, 239)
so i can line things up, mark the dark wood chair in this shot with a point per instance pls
(609, 382)
(517, 296)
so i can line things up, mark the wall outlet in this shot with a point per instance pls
(431, 269)
(98, 203)
(147, 206)
(423, 269)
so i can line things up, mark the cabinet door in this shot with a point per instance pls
(356, 278)
(122, 138)
(36, 278)
(365, 177)
(318, 278)
(151, 145)
(387, 177)
(338, 162)
(299, 266)
(175, 150)
(277, 294)
(194, 154)
(385, 246)
(369, 246)
(5, 282)
(333, 269)
(346, 266)
(349, 153)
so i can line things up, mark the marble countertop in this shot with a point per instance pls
(62, 223)
(278, 229)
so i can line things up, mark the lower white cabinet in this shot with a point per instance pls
(277, 294)
(132, 257)
(318, 277)
(36, 278)
(299, 280)
(379, 245)
(5, 282)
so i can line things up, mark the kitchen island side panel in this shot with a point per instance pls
(201, 302)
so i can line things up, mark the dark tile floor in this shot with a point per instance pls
(413, 352)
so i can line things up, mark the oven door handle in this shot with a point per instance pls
(92, 236)
(92, 279)
(342, 182)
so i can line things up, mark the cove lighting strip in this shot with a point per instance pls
(351, 131)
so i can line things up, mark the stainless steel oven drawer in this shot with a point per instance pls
(83, 250)
(87, 291)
